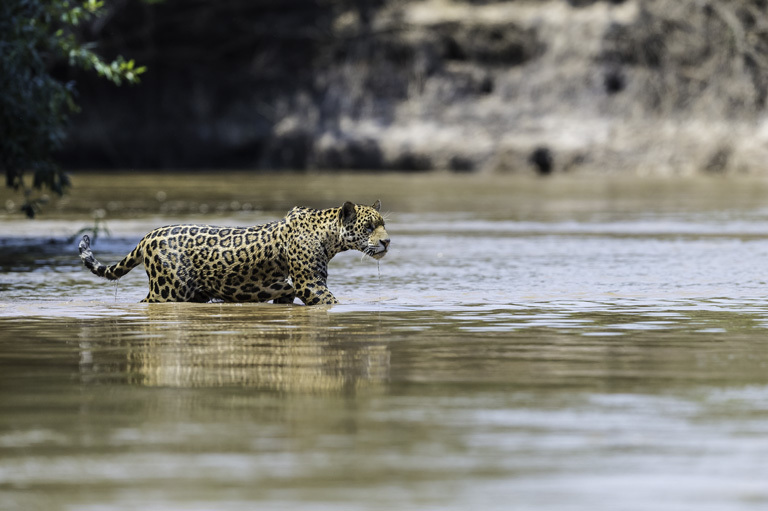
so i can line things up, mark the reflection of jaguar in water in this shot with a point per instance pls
(199, 263)
(302, 349)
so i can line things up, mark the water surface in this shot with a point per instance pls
(527, 344)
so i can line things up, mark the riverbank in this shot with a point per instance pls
(631, 87)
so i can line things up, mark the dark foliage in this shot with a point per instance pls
(34, 106)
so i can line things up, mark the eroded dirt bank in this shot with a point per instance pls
(643, 86)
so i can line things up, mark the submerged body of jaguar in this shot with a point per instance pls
(278, 261)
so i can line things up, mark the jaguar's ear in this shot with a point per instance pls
(377, 205)
(348, 213)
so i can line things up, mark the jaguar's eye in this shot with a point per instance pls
(369, 229)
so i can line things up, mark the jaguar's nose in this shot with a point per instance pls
(385, 243)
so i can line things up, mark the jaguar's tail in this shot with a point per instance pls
(113, 272)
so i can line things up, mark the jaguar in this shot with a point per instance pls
(277, 261)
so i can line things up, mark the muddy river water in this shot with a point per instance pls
(567, 344)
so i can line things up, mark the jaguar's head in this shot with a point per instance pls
(362, 228)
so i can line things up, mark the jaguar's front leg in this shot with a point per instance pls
(309, 279)
(314, 292)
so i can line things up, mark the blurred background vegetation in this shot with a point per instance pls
(547, 86)
(35, 106)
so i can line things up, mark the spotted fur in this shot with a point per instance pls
(278, 261)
